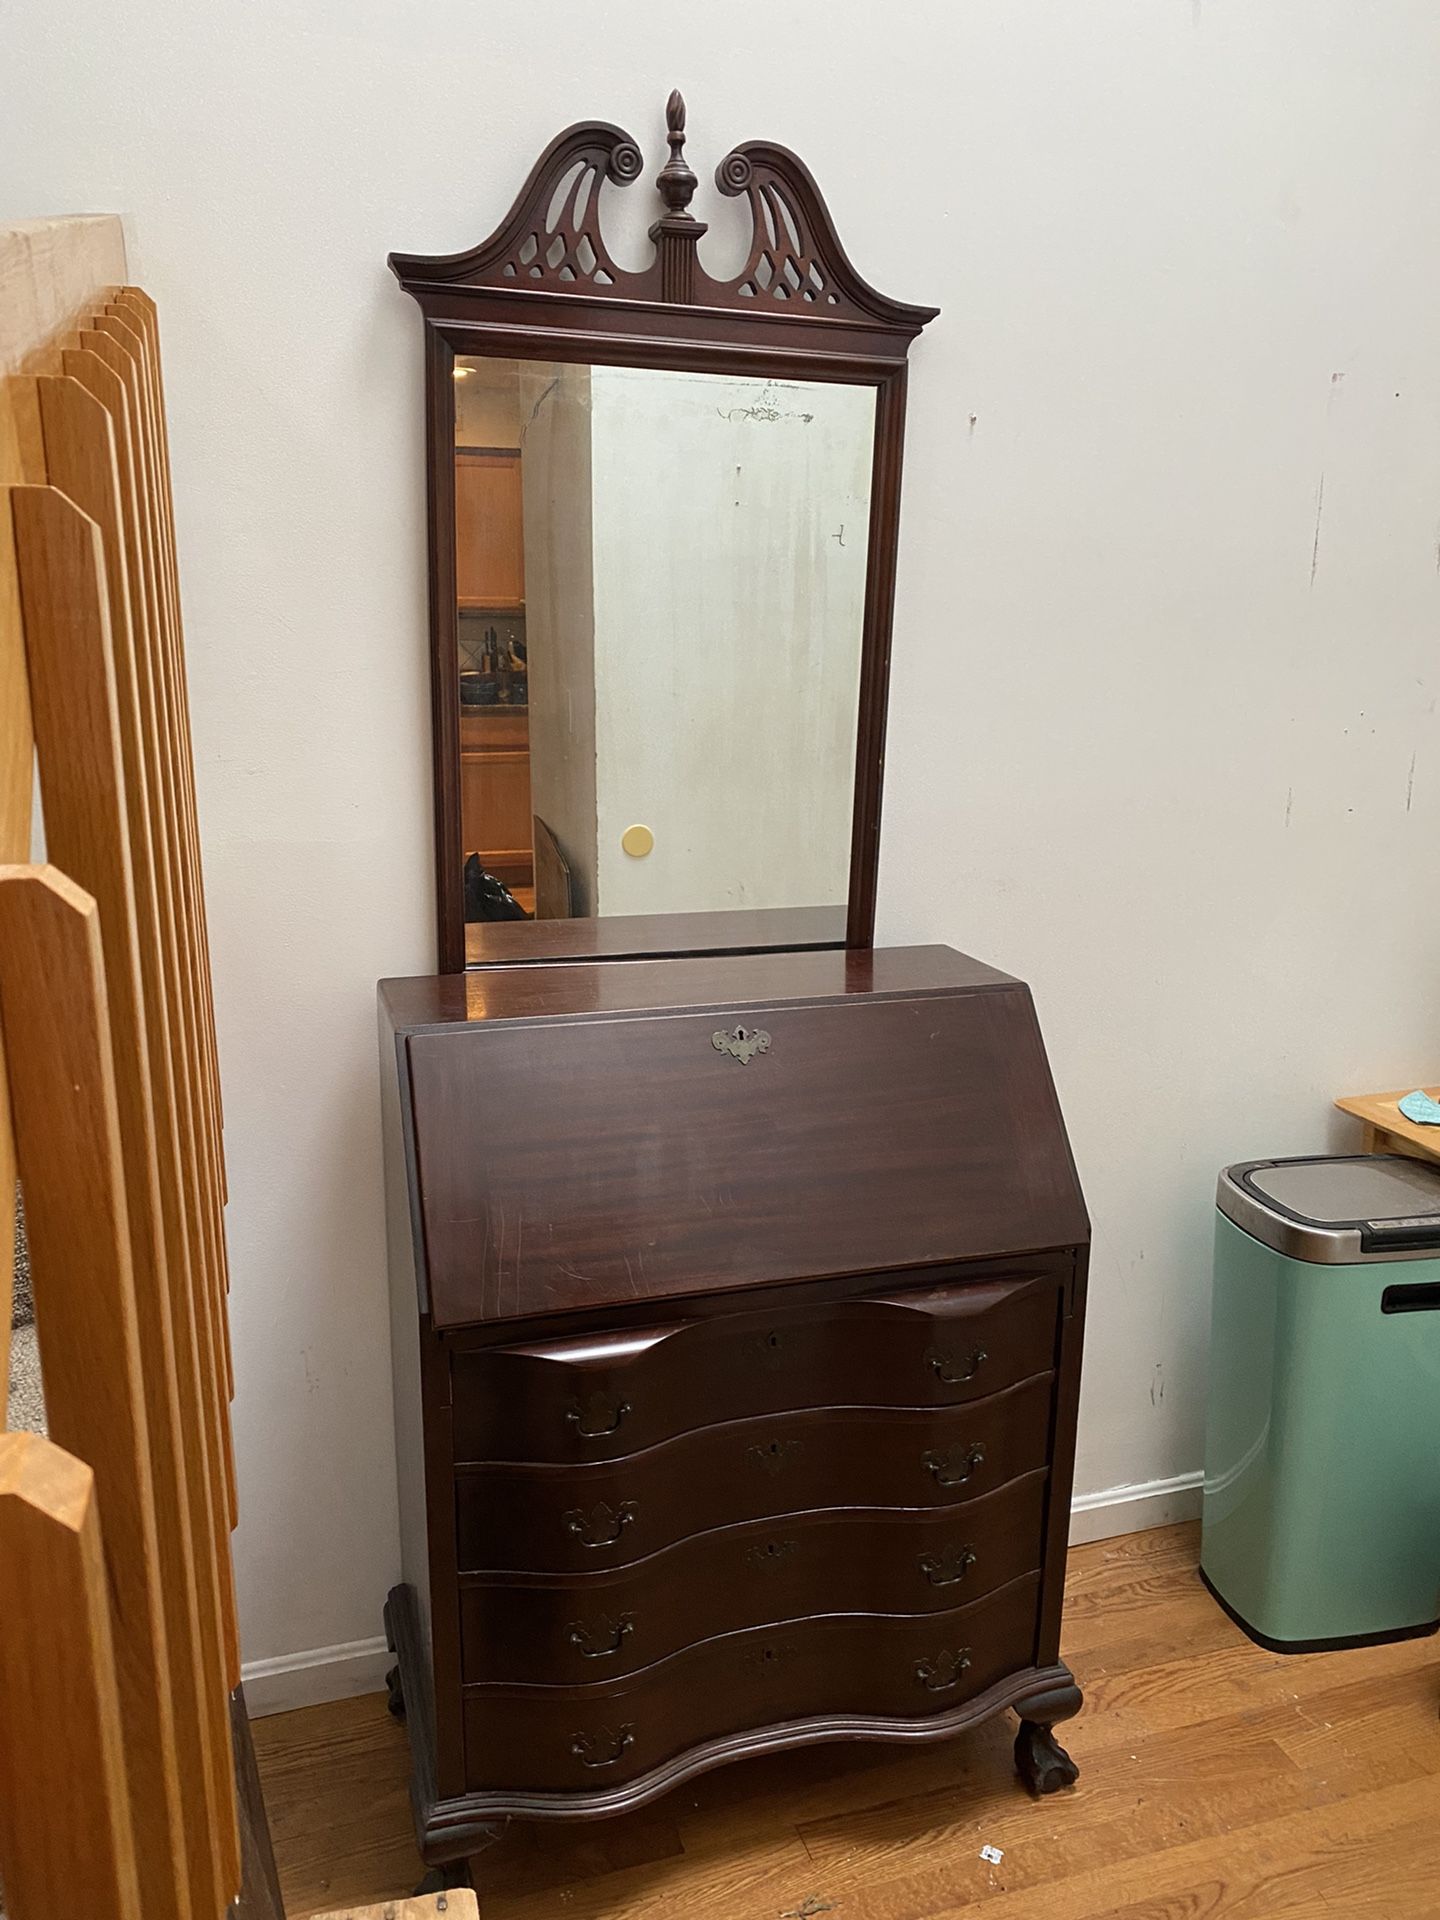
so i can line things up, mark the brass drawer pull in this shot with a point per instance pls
(771, 1553)
(952, 1373)
(943, 1672)
(603, 1747)
(611, 1634)
(948, 1567)
(954, 1468)
(599, 1414)
(772, 1455)
(603, 1525)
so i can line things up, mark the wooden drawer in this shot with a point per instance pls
(560, 1738)
(600, 1396)
(554, 1519)
(598, 1626)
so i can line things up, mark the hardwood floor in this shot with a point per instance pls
(1218, 1782)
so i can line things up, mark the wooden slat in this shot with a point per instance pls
(204, 1228)
(88, 828)
(53, 1008)
(50, 271)
(184, 827)
(134, 303)
(117, 344)
(64, 1815)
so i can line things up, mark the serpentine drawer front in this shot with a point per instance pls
(597, 1626)
(559, 1738)
(735, 1386)
(596, 1397)
(575, 1519)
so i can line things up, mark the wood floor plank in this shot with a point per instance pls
(1377, 1855)
(1219, 1782)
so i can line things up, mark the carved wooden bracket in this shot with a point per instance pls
(551, 242)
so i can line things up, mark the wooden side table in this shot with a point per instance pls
(1386, 1130)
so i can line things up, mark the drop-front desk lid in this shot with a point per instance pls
(592, 1136)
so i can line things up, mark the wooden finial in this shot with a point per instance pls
(676, 182)
(677, 231)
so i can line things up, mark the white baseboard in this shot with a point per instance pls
(1131, 1509)
(335, 1673)
(319, 1674)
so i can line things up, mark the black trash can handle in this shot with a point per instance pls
(1422, 1296)
(1421, 1234)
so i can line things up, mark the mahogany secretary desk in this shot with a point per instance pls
(738, 1267)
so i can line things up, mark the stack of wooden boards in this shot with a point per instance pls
(119, 1662)
(128, 1788)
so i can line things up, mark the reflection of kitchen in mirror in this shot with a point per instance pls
(660, 585)
(490, 630)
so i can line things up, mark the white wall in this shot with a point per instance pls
(1154, 745)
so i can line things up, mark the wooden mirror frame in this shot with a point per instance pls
(544, 286)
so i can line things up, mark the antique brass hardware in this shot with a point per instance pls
(603, 1747)
(771, 1553)
(772, 1455)
(603, 1525)
(953, 1374)
(948, 1567)
(954, 1468)
(604, 1638)
(596, 1415)
(944, 1671)
(741, 1043)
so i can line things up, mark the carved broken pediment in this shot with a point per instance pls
(551, 241)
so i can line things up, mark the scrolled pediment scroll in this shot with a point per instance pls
(550, 240)
(795, 259)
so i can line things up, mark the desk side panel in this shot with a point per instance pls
(405, 1329)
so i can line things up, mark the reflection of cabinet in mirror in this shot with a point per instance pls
(495, 795)
(495, 804)
(489, 538)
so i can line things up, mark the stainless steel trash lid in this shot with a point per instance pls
(1337, 1209)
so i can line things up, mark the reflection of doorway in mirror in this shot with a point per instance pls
(697, 548)
(496, 830)
(660, 584)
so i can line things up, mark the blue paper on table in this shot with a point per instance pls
(1420, 1108)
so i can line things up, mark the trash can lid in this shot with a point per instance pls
(1337, 1209)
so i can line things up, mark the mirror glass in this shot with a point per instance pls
(660, 588)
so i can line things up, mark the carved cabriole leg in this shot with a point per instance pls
(1043, 1763)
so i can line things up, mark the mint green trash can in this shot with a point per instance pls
(1322, 1447)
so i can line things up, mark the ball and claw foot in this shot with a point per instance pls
(1043, 1764)
(395, 1700)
